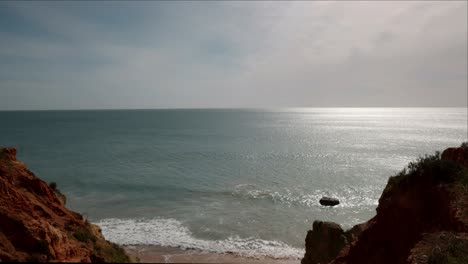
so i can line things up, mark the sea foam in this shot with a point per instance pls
(172, 233)
(349, 197)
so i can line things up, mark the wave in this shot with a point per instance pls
(349, 197)
(172, 233)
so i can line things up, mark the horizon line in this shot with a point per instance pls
(229, 108)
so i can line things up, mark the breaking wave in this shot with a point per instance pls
(172, 233)
(349, 197)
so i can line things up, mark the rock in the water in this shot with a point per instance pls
(329, 201)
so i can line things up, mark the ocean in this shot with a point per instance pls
(246, 181)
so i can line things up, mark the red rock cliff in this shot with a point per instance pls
(422, 216)
(35, 225)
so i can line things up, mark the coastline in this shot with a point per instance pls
(429, 197)
(159, 254)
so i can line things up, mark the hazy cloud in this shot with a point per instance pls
(62, 55)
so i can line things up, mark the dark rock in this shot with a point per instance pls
(327, 201)
(459, 155)
(327, 239)
(323, 242)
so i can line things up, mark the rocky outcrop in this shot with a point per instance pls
(323, 242)
(326, 240)
(459, 155)
(35, 225)
(421, 208)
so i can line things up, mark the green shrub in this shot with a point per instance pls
(454, 252)
(53, 185)
(2, 153)
(110, 252)
(84, 235)
(431, 167)
(464, 178)
(118, 254)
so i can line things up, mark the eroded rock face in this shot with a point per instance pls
(421, 216)
(35, 226)
(413, 208)
(326, 240)
(323, 242)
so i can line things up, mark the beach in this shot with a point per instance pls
(158, 254)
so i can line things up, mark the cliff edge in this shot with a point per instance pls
(35, 225)
(422, 217)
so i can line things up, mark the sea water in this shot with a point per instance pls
(241, 180)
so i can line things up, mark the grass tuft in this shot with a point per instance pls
(118, 254)
(2, 153)
(454, 252)
(84, 235)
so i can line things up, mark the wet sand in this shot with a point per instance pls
(158, 254)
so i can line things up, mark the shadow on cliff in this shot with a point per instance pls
(422, 217)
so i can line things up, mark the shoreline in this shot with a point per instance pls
(160, 254)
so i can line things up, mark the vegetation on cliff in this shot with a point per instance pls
(422, 217)
(445, 248)
(36, 226)
(432, 168)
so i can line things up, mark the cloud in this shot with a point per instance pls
(233, 54)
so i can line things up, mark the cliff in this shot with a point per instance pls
(35, 225)
(422, 217)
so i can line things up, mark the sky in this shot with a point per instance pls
(162, 54)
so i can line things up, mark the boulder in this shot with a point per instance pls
(327, 239)
(327, 201)
(323, 242)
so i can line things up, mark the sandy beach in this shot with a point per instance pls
(158, 254)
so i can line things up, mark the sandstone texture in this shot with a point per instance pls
(35, 225)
